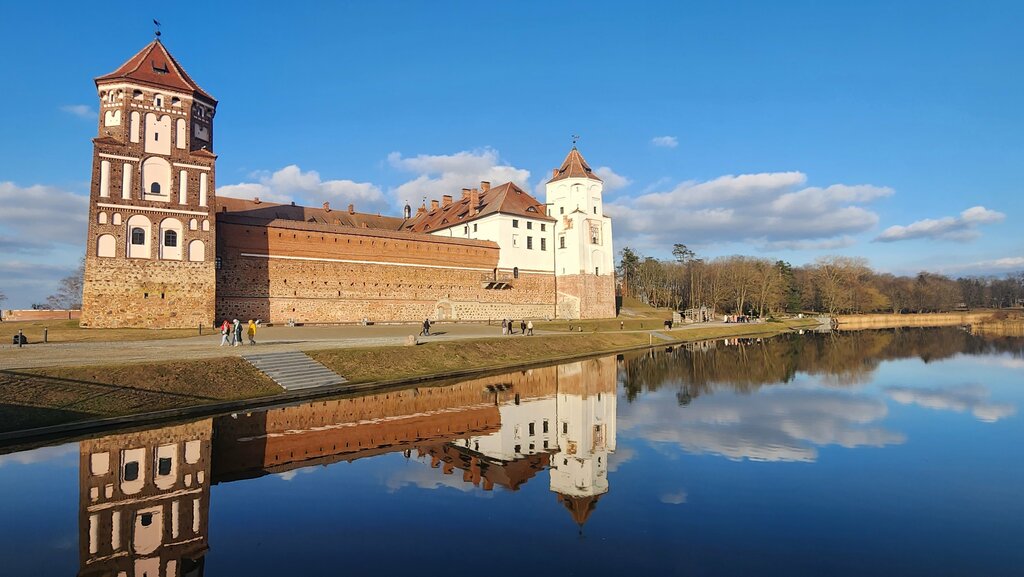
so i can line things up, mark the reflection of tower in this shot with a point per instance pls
(144, 501)
(586, 434)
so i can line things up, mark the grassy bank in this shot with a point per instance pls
(65, 331)
(41, 397)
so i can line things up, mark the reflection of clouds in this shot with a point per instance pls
(289, 475)
(967, 397)
(425, 477)
(620, 457)
(44, 454)
(780, 425)
(674, 498)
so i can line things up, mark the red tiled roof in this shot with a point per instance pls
(579, 507)
(268, 211)
(155, 66)
(574, 166)
(506, 199)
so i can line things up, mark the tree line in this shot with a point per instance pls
(762, 287)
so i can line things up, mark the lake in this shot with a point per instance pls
(858, 453)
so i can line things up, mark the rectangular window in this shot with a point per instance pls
(561, 210)
(595, 210)
(532, 429)
(529, 225)
(529, 243)
(474, 227)
(597, 271)
(515, 223)
(465, 229)
(163, 466)
(565, 428)
(515, 240)
(543, 243)
(543, 227)
(544, 426)
(561, 241)
(131, 471)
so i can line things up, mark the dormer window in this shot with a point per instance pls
(531, 209)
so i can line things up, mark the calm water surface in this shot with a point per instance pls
(869, 453)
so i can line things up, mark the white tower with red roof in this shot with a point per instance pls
(584, 255)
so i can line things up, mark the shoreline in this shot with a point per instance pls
(579, 347)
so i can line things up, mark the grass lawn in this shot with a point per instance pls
(41, 397)
(65, 331)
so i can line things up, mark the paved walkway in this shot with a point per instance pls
(275, 339)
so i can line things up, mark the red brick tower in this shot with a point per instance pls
(150, 256)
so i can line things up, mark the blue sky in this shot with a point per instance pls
(782, 129)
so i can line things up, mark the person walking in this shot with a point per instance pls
(511, 327)
(529, 328)
(426, 327)
(236, 334)
(504, 327)
(522, 326)
(224, 328)
(252, 332)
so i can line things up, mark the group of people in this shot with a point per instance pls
(231, 332)
(508, 327)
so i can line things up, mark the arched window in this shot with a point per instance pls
(515, 272)
(170, 239)
(116, 220)
(138, 237)
(156, 178)
(137, 94)
(101, 218)
(106, 245)
(193, 224)
(154, 188)
(196, 251)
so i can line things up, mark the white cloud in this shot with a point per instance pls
(763, 208)
(306, 187)
(674, 498)
(440, 174)
(826, 244)
(65, 455)
(41, 215)
(612, 181)
(665, 141)
(959, 228)
(776, 425)
(79, 110)
(620, 457)
(972, 398)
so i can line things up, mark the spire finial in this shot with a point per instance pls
(575, 139)
(157, 24)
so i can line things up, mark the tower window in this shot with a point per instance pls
(154, 188)
(158, 101)
(515, 274)
(170, 238)
(147, 519)
(595, 210)
(138, 236)
(131, 471)
(163, 466)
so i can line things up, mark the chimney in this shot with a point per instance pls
(446, 199)
(465, 193)
(421, 210)
(433, 205)
(474, 201)
(485, 185)
(554, 172)
(327, 206)
(256, 200)
(351, 209)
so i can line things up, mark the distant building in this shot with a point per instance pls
(164, 251)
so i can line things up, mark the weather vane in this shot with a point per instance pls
(157, 23)
(575, 139)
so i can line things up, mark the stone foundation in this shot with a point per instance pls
(142, 293)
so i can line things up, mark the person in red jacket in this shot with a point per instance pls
(225, 327)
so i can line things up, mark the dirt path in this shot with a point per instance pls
(269, 339)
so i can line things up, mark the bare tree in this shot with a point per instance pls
(69, 292)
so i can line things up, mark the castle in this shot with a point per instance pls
(164, 251)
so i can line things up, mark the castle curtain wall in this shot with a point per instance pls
(315, 273)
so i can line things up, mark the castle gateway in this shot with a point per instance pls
(164, 251)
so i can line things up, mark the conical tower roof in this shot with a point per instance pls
(579, 507)
(154, 66)
(574, 166)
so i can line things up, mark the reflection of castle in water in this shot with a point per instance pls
(145, 495)
(143, 502)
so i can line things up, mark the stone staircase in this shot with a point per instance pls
(294, 370)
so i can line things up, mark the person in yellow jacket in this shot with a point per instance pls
(252, 332)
